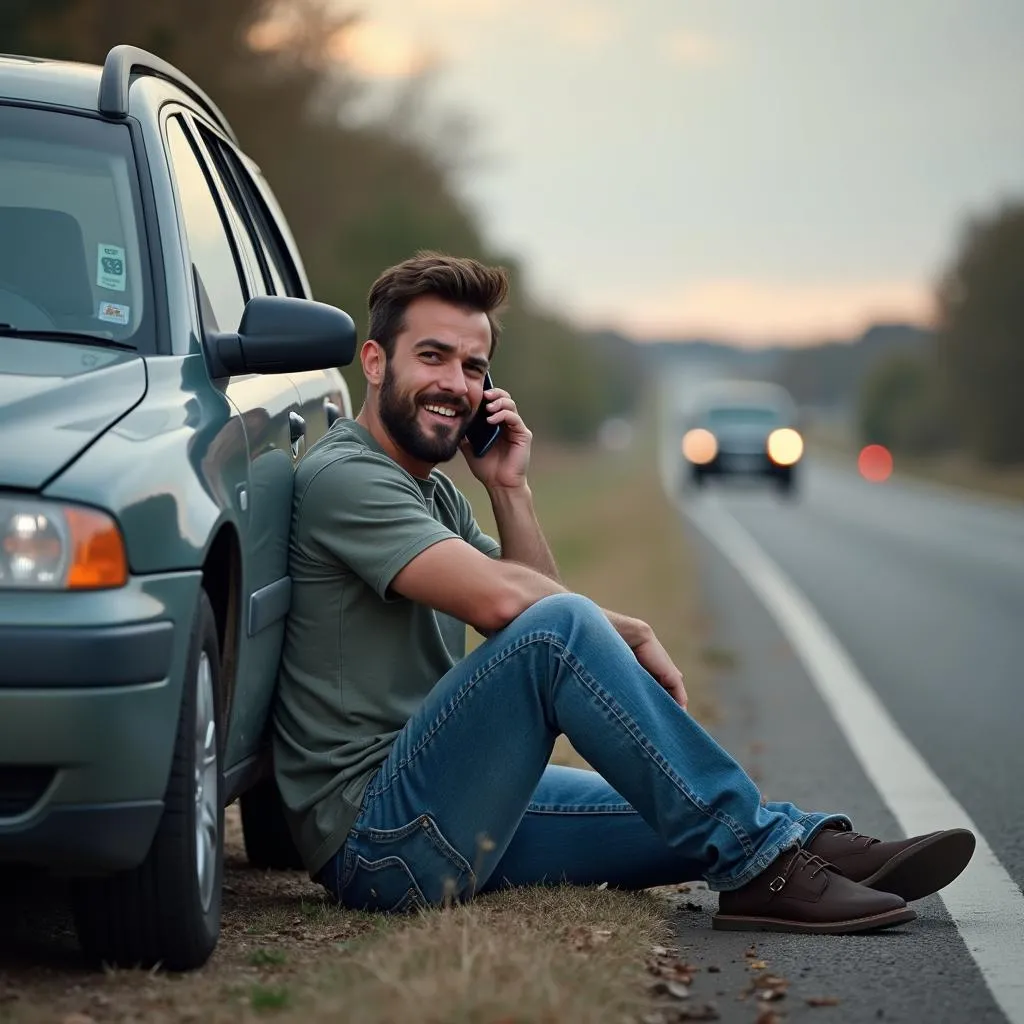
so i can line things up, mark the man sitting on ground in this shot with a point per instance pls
(414, 774)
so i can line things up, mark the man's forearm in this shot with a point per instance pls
(522, 539)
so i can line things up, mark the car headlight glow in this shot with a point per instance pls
(785, 446)
(700, 446)
(49, 546)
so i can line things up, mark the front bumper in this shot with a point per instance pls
(90, 691)
(727, 463)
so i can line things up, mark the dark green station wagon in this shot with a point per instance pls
(162, 368)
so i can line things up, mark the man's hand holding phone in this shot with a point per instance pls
(506, 455)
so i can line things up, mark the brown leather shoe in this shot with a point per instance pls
(802, 893)
(911, 868)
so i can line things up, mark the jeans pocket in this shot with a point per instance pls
(403, 869)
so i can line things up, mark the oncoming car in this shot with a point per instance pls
(743, 429)
(162, 369)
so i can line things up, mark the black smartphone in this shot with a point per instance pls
(481, 434)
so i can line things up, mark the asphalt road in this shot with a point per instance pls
(924, 589)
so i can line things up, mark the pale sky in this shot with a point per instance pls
(754, 169)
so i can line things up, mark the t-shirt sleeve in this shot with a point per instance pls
(471, 532)
(369, 515)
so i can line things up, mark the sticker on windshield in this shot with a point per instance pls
(110, 267)
(112, 313)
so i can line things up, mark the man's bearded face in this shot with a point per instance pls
(423, 425)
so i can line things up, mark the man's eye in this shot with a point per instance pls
(432, 356)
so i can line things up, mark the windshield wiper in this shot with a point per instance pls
(44, 334)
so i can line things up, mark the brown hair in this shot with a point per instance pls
(461, 281)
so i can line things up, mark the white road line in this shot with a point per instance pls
(986, 905)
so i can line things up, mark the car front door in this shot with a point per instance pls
(267, 406)
(323, 394)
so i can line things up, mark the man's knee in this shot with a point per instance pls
(561, 612)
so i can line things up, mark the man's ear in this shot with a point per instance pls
(373, 359)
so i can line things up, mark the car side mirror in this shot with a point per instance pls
(280, 334)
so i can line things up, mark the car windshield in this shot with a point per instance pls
(755, 416)
(72, 257)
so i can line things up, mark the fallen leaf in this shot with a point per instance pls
(675, 989)
(705, 1011)
(822, 1001)
(758, 965)
(752, 952)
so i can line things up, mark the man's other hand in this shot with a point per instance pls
(506, 464)
(655, 659)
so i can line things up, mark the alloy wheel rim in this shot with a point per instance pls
(206, 790)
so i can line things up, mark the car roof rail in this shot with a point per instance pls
(124, 60)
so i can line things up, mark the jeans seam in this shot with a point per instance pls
(570, 809)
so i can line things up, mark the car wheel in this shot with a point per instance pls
(268, 841)
(167, 910)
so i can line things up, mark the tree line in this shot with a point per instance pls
(361, 192)
(964, 390)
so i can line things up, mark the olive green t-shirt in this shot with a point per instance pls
(358, 659)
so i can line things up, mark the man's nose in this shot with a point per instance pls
(454, 380)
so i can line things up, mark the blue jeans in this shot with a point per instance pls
(466, 800)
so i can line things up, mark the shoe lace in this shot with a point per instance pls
(853, 837)
(803, 860)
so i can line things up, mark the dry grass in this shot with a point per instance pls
(286, 954)
(527, 955)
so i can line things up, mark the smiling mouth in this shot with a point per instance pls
(443, 413)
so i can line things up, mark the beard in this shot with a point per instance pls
(399, 412)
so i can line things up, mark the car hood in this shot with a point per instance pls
(56, 398)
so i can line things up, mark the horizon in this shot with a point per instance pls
(670, 167)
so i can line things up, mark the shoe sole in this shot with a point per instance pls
(925, 867)
(729, 923)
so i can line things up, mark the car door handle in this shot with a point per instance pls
(296, 426)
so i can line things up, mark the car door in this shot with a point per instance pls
(267, 406)
(323, 394)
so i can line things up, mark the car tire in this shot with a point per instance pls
(268, 840)
(167, 910)
(786, 483)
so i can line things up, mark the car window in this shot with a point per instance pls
(73, 255)
(266, 214)
(222, 296)
(238, 214)
(750, 415)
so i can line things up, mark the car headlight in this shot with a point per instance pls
(700, 446)
(49, 546)
(785, 446)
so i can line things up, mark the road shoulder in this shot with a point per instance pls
(772, 719)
